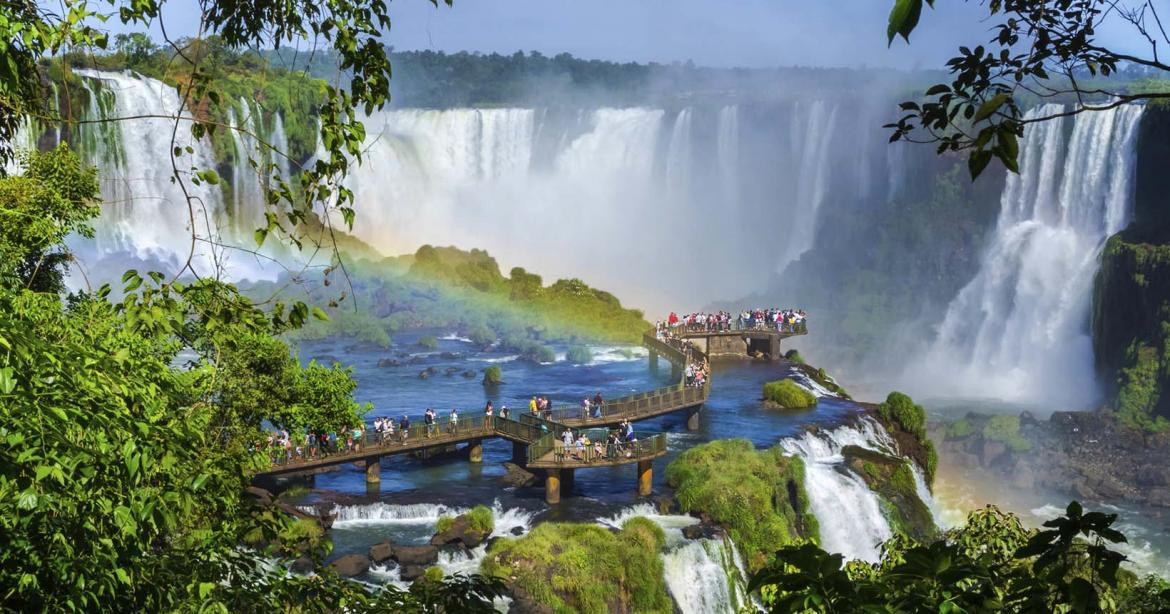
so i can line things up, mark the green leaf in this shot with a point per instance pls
(320, 314)
(991, 106)
(7, 381)
(903, 19)
(977, 162)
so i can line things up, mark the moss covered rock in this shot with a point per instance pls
(787, 394)
(572, 567)
(492, 376)
(893, 481)
(906, 423)
(758, 496)
(580, 355)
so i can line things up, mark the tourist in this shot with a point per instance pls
(504, 412)
(532, 406)
(585, 408)
(429, 421)
(453, 420)
(404, 428)
(487, 415)
(388, 430)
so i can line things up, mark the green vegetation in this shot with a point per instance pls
(428, 343)
(124, 464)
(959, 429)
(788, 394)
(794, 356)
(433, 574)
(901, 410)
(585, 567)
(347, 323)
(758, 496)
(451, 288)
(444, 524)
(492, 376)
(482, 519)
(579, 355)
(990, 564)
(1006, 430)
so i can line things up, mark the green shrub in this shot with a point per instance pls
(586, 568)
(959, 429)
(748, 492)
(444, 523)
(1006, 429)
(433, 574)
(481, 335)
(789, 394)
(579, 354)
(901, 410)
(482, 519)
(794, 356)
(428, 342)
(492, 376)
(1139, 392)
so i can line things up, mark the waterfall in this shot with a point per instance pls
(706, 576)
(810, 135)
(1020, 329)
(145, 213)
(678, 159)
(279, 153)
(727, 146)
(849, 513)
(248, 196)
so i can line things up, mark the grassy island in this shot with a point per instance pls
(787, 394)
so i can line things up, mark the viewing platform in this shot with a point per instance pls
(739, 341)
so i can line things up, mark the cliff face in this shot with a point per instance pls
(1131, 302)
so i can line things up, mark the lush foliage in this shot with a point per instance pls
(990, 564)
(579, 354)
(492, 375)
(893, 481)
(901, 410)
(1043, 49)
(757, 495)
(788, 394)
(1006, 429)
(585, 567)
(128, 429)
(481, 519)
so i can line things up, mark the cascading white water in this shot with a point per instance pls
(678, 159)
(848, 512)
(727, 146)
(1019, 330)
(706, 576)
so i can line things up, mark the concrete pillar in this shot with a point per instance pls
(552, 486)
(675, 372)
(693, 418)
(519, 453)
(475, 451)
(645, 477)
(774, 347)
(374, 471)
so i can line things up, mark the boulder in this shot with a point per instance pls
(450, 355)
(262, 497)
(425, 373)
(449, 371)
(410, 573)
(416, 555)
(459, 534)
(381, 552)
(694, 531)
(666, 505)
(518, 476)
(517, 531)
(389, 362)
(469, 374)
(303, 565)
(351, 565)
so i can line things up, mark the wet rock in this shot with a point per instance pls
(666, 505)
(469, 374)
(389, 362)
(303, 565)
(410, 573)
(449, 371)
(416, 555)
(262, 497)
(518, 476)
(517, 531)
(381, 552)
(694, 531)
(417, 360)
(451, 356)
(459, 534)
(351, 565)
(427, 372)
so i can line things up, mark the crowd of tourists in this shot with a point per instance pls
(616, 443)
(783, 320)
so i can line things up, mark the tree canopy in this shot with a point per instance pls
(1040, 50)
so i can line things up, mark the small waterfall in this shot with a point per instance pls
(810, 135)
(1020, 329)
(849, 513)
(279, 152)
(727, 148)
(705, 576)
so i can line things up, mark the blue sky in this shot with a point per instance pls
(749, 33)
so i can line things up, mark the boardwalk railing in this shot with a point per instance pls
(598, 451)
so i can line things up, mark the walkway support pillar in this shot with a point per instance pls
(653, 361)
(519, 453)
(374, 471)
(475, 451)
(552, 486)
(645, 477)
(774, 347)
(693, 418)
